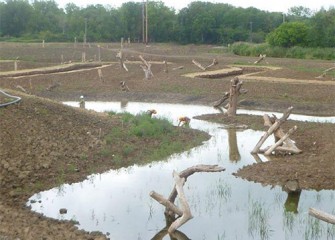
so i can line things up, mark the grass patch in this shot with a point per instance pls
(140, 139)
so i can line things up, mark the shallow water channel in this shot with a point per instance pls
(118, 204)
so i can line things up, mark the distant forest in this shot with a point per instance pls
(199, 23)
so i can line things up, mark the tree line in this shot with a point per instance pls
(199, 22)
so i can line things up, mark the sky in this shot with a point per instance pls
(267, 5)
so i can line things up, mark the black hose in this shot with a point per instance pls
(16, 99)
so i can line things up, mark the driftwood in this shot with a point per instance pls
(101, 77)
(184, 213)
(120, 56)
(166, 70)
(178, 68)
(146, 68)
(324, 73)
(198, 65)
(326, 217)
(261, 58)
(214, 62)
(282, 141)
(124, 87)
(272, 129)
(187, 215)
(21, 88)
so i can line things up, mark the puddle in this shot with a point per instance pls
(117, 203)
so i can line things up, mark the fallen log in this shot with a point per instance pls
(215, 62)
(178, 68)
(324, 73)
(261, 58)
(322, 215)
(198, 65)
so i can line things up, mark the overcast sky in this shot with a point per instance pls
(268, 5)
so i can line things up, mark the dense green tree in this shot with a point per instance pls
(289, 34)
(131, 20)
(322, 32)
(46, 17)
(162, 22)
(15, 15)
(199, 22)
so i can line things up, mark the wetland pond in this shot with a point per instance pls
(117, 203)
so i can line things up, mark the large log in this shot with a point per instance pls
(322, 215)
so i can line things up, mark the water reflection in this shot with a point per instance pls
(292, 201)
(234, 154)
(223, 206)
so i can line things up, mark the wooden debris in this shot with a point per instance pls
(146, 68)
(322, 215)
(282, 141)
(101, 77)
(21, 88)
(166, 70)
(198, 65)
(214, 62)
(324, 73)
(120, 56)
(184, 212)
(177, 68)
(124, 87)
(261, 58)
(185, 208)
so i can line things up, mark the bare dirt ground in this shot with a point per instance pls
(35, 155)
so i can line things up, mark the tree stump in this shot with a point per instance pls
(232, 95)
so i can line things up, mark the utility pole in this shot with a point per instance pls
(85, 35)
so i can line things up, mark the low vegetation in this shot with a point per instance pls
(144, 130)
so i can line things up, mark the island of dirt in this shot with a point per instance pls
(44, 144)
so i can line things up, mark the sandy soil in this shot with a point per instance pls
(45, 148)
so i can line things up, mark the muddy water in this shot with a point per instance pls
(117, 203)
